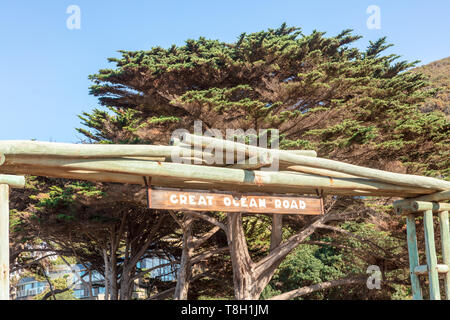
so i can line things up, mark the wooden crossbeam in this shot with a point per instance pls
(423, 269)
(410, 206)
(322, 163)
(12, 180)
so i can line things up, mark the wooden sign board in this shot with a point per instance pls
(199, 200)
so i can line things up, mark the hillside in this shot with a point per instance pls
(439, 74)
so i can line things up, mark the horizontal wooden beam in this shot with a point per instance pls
(254, 162)
(423, 269)
(320, 172)
(12, 180)
(321, 163)
(406, 207)
(307, 153)
(435, 197)
(87, 151)
(211, 174)
(96, 176)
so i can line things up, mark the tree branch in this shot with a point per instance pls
(209, 219)
(206, 255)
(198, 241)
(319, 286)
(283, 249)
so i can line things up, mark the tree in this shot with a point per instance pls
(110, 237)
(321, 93)
(60, 290)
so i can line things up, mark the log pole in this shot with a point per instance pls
(322, 163)
(430, 248)
(445, 243)
(211, 174)
(4, 242)
(5, 182)
(12, 180)
(413, 253)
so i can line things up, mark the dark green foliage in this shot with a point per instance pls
(307, 265)
(339, 256)
(321, 93)
(60, 198)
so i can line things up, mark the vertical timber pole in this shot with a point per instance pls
(413, 256)
(430, 248)
(4, 242)
(6, 181)
(445, 241)
(411, 208)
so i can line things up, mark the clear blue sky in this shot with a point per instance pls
(45, 66)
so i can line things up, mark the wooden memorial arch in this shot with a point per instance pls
(244, 186)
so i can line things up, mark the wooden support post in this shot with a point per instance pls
(445, 241)
(6, 181)
(277, 231)
(413, 256)
(430, 248)
(4, 242)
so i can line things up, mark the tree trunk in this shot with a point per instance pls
(107, 275)
(244, 278)
(113, 277)
(184, 273)
(251, 278)
(125, 279)
(126, 288)
(276, 236)
(91, 295)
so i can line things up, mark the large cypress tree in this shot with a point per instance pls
(321, 92)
